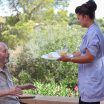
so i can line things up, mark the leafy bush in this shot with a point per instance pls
(52, 89)
(47, 39)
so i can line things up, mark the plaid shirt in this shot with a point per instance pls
(7, 83)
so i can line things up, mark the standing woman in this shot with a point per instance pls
(90, 58)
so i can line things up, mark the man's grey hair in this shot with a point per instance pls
(2, 44)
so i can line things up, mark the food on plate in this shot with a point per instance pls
(50, 56)
(61, 53)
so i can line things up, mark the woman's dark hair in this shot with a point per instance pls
(87, 8)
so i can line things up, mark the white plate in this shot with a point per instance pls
(70, 55)
(51, 56)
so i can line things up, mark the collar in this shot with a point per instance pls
(4, 69)
(94, 24)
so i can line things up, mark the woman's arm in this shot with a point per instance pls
(87, 58)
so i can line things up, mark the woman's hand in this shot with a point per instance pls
(65, 58)
(76, 54)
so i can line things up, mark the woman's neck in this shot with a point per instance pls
(90, 23)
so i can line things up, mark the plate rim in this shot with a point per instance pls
(53, 58)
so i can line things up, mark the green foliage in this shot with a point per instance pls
(12, 20)
(6, 36)
(49, 14)
(63, 3)
(18, 34)
(20, 28)
(34, 9)
(47, 39)
(62, 16)
(101, 24)
(25, 76)
(10, 39)
(52, 89)
(72, 19)
(23, 31)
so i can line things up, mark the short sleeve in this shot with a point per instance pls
(93, 45)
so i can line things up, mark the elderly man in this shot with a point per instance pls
(8, 92)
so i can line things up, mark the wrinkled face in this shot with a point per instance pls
(4, 54)
(82, 20)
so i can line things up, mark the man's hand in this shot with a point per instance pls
(15, 91)
(26, 87)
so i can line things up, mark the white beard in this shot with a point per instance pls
(6, 60)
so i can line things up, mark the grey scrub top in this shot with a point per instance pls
(91, 75)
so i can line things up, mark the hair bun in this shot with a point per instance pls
(91, 5)
(87, 8)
